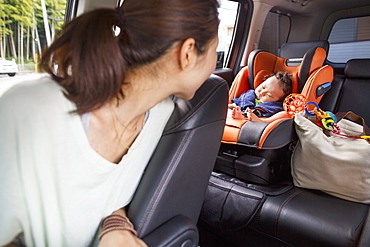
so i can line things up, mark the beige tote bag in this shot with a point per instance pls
(334, 164)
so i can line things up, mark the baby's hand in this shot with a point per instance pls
(237, 113)
(252, 116)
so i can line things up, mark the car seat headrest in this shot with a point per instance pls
(298, 49)
(262, 63)
(357, 68)
(260, 77)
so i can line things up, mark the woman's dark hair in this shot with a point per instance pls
(91, 62)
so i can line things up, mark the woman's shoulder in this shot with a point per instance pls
(31, 88)
(31, 94)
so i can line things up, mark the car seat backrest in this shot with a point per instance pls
(297, 52)
(293, 50)
(356, 85)
(170, 195)
(262, 63)
(312, 60)
(318, 83)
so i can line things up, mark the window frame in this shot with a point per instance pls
(240, 35)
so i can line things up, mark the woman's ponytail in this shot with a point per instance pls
(86, 59)
(91, 62)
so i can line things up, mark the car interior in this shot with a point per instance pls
(215, 182)
(281, 214)
(251, 200)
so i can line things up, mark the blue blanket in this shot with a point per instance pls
(248, 99)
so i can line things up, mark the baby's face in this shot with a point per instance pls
(269, 90)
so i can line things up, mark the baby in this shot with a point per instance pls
(265, 101)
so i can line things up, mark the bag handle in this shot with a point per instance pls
(355, 118)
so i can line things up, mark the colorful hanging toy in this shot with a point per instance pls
(295, 103)
(325, 119)
(328, 121)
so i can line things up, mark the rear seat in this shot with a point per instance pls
(284, 215)
(352, 91)
(259, 152)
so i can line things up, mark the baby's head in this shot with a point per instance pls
(275, 88)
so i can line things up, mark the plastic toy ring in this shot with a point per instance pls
(294, 103)
(328, 123)
(308, 112)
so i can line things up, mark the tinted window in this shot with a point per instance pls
(349, 38)
(275, 32)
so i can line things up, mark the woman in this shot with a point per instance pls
(75, 144)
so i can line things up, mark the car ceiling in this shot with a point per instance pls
(325, 7)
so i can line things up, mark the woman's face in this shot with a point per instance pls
(205, 66)
(269, 90)
(209, 61)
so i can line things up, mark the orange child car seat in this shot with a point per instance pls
(309, 77)
(252, 150)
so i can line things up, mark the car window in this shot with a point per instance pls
(27, 27)
(349, 38)
(275, 32)
(227, 13)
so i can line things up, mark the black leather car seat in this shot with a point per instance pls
(167, 203)
(304, 217)
(312, 218)
(284, 215)
(355, 87)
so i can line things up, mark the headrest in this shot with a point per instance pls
(268, 63)
(298, 49)
(260, 77)
(312, 59)
(358, 68)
